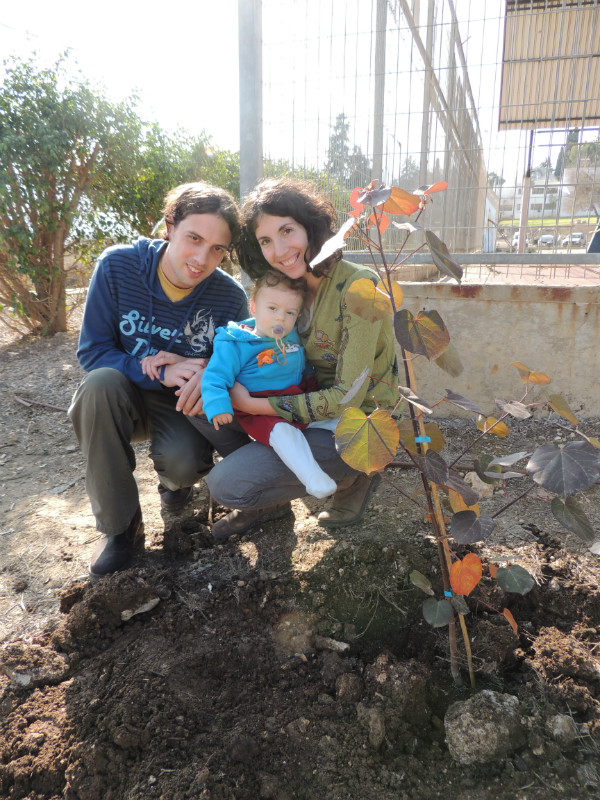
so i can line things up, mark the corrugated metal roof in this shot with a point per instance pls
(551, 64)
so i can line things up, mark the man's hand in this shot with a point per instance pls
(190, 397)
(222, 419)
(179, 374)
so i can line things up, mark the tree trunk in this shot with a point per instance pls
(58, 322)
(50, 285)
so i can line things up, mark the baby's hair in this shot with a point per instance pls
(275, 278)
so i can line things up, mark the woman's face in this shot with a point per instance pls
(284, 244)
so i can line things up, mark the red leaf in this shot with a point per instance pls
(354, 199)
(511, 620)
(439, 186)
(384, 221)
(401, 202)
(466, 574)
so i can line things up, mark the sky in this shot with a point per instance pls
(180, 58)
(182, 61)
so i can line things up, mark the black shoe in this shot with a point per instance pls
(174, 500)
(113, 553)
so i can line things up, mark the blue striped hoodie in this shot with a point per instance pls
(125, 294)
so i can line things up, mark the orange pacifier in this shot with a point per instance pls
(277, 331)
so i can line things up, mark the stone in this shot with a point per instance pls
(486, 728)
(562, 728)
(32, 665)
(372, 719)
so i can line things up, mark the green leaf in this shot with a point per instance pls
(370, 300)
(406, 393)
(462, 402)
(425, 334)
(357, 384)
(437, 613)
(558, 403)
(421, 582)
(514, 408)
(509, 460)
(468, 494)
(434, 467)
(460, 604)
(442, 258)
(450, 361)
(482, 468)
(466, 527)
(567, 470)
(572, 516)
(407, 436)
(367, 443)
(515, 579)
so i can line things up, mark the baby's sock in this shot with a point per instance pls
(292, 448)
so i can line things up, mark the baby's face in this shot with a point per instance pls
(275, 311)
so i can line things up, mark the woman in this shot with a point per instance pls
(285, 223)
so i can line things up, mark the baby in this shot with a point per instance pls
(264, 354)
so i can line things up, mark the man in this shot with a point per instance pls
(143, 298)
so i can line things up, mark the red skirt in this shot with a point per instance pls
(259, 426)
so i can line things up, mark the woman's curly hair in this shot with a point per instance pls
(286, 197)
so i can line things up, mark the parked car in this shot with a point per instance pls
(515, 240)
(574, 240)
(546, 240)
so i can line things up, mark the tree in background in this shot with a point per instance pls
(163, 160)
(348, 166)
(562, 160)
(409, 174)
(78, 171)
(494, 181)
(57, 140)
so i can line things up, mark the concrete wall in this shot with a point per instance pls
(555, 330)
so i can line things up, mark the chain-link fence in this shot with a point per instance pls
(500, 98)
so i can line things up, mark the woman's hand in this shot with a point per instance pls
(151, 364)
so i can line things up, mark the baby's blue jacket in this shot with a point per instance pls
(236, 348)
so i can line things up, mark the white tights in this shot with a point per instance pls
(292, 448)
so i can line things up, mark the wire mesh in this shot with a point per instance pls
(479, 93)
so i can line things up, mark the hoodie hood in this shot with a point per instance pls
(148, 252)
(240, 333)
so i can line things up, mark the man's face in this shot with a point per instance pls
(197, 245)
(275, 311)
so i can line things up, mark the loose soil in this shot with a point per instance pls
(291, 663)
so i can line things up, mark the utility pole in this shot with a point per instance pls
(379, 104)
(523, 227)
(250, 83)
